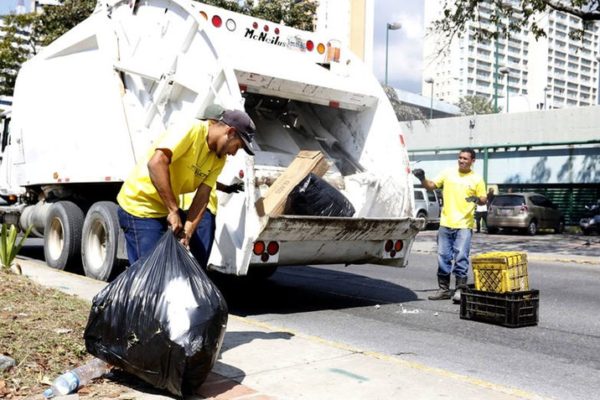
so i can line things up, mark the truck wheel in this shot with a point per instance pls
(100, 241)
(62, 235)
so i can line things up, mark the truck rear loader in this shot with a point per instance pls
(89, 105)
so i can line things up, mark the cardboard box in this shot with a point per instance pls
(273, 203)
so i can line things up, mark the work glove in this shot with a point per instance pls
(419, 173)
(472, 199)
(235, 187)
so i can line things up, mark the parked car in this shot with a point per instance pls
(428, 205)
(528, 212)
(591, 222)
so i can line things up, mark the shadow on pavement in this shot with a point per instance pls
(234, 339)
(303, 289)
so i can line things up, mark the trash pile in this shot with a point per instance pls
(162, 320)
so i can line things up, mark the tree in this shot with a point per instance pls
(294, 13)
(457, 14)
(25, 34)
(470, 105)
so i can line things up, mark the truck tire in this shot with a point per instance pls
(62, 235)
(100, 241)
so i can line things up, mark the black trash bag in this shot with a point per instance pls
(162, 320)
(314, 196)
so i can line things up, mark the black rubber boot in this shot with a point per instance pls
(443, 292)
(461, 285)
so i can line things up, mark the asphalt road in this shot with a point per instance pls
(386, 310)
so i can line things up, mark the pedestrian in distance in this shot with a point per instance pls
(462, 190)
(490, 196)
(481, 212)
(184, 159)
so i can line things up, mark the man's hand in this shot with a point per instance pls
(472, 199)
(235, 187)
(186, 234)
(174, 221)
(419, 173)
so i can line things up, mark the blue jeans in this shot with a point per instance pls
(142, 234)
(453, 245)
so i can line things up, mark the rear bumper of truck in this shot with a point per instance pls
(300, 240)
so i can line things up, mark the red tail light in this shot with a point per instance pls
(523, 209)
(259, 248)
(310, 45)
(389, 245)
(272, 248)
(398, 245)
(217, 21)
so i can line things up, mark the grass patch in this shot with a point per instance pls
(42, 330)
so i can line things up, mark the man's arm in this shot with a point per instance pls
(195, 212)
(420, 175)
(158, 168)
(233, 188)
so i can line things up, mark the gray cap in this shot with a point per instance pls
(213, 111)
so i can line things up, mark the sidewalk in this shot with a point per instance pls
(263, 362)
(546, 248)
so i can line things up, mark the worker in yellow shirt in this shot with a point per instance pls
(462, 189)
(184, 159)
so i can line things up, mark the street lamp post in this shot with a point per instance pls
(506, 71)
(546, 90)
(430, 81)
(598, 85)
(389, 26)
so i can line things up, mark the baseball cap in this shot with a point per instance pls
(213, 111)
(243, 125)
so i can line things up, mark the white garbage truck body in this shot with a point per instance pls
(89, 106)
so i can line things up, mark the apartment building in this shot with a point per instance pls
(519, 73)
(351, 22)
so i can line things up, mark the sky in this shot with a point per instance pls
(405, 47)
(7, 5)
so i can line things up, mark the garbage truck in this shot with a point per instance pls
(89, 105)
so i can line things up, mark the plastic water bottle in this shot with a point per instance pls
(71, 381)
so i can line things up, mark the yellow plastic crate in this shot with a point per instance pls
(500, 271)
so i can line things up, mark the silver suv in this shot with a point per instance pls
(528, 212)
(427, 205)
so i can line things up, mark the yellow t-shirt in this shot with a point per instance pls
(192, 163)
(457, 213)
(213, 201)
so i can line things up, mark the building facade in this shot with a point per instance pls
(519, 73)
(351, 22)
